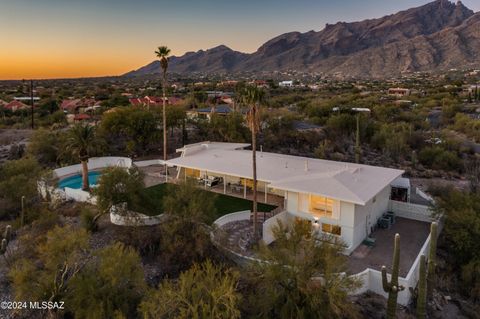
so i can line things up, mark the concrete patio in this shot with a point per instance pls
(413, 235)
(155, 174)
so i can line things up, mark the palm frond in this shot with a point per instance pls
(253, 97)
(162, 52)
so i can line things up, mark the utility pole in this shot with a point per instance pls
(357, 140)
(31, 99)
(358, 110)
(358, 150)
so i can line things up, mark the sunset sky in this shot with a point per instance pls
(66, 38)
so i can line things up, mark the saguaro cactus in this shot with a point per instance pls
(392, 287)
(422, 290)
(432, 259)
(22, 213)
(8, 233)
(6, 238)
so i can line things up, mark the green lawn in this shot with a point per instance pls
(224, 204)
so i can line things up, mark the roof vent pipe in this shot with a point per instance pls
(286, 164)
(261, 150)
(306, 165)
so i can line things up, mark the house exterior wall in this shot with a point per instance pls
(342, 214)
(355, 220)
(365, 217)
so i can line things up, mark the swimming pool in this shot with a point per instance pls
(75, 181)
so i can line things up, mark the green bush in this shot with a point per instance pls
(436, 157)
(87, 219)
(19, 178)
(462, 232)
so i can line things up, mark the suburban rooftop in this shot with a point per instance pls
(349, 182)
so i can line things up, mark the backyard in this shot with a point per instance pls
(224, 204)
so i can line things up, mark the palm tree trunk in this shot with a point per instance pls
(164, 121)
(85, 182)
(254, 164)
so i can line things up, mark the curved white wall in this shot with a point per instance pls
(130, 218)
(94, 163)
(233, 217)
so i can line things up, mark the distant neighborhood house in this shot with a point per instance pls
(399, 92)
(16, 105)
(207, 112)
(285, 83)
(79, 105)
(155, 101)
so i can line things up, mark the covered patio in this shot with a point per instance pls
(229, 185)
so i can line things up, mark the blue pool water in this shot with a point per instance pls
(75, 181)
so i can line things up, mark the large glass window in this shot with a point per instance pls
(332, 229)
(321, 206)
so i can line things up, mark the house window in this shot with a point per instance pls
(321, 206)
(332, 229)
(190, 172)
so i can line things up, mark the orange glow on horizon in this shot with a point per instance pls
(54, 66)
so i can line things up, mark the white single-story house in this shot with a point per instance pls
(343, 199)
(285, 83)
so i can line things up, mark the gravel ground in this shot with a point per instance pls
(11, 137)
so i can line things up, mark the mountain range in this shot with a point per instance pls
(437, 36)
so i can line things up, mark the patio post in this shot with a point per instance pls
(244, 188)
(166, 173)
(205, 180)
(185, 173)
(224, 184)
(266, 192)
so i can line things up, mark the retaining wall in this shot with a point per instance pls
(119, 216)
(233, 217)
(272, 222)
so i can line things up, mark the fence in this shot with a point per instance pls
(94, 163)
(372, 279)
(425, 196)
(411, 211)
(149, 162)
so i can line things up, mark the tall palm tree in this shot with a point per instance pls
(162, 53)
(253, 97)
(81, 142)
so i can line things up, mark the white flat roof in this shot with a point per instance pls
(349, 182)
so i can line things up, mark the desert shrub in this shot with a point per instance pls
(55, 258)
(392, 139)
(461, 211)
(19, 178)
(87, 219)
(146, 240)
(204, 291)
(284, 286)
(110, 286)
(438, 158)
